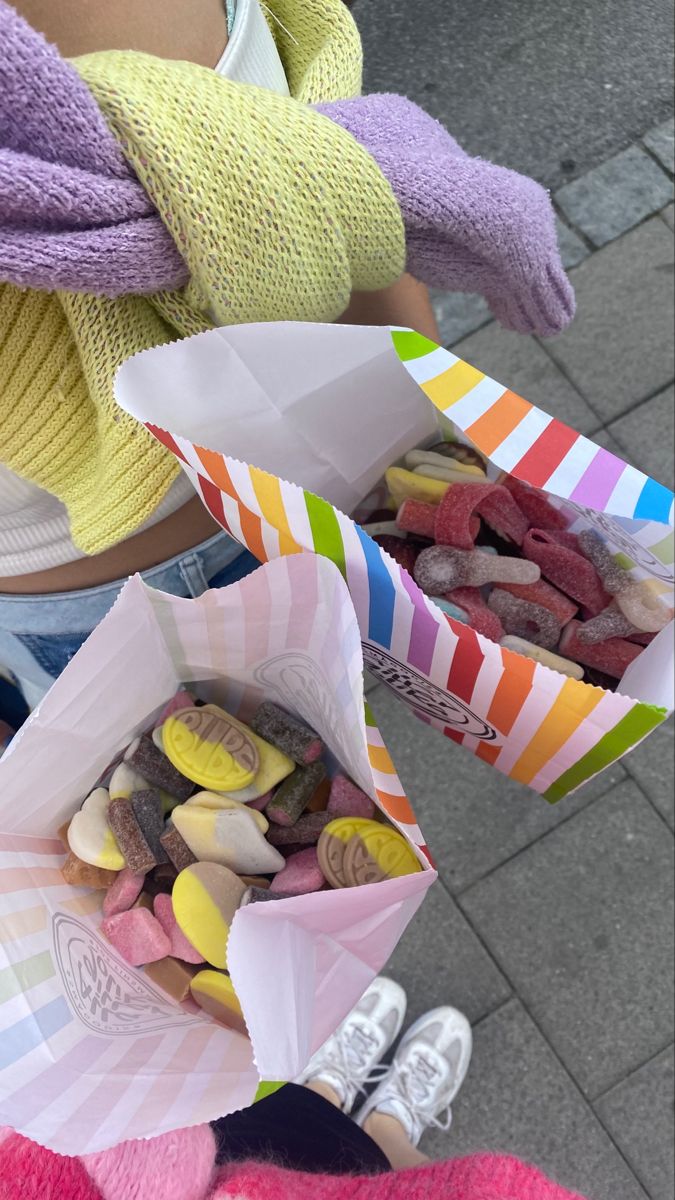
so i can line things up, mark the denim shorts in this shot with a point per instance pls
(40, 634)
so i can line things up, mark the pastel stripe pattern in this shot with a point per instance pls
(87, 1043)
(522, 720)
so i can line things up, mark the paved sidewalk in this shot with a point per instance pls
(552, 927)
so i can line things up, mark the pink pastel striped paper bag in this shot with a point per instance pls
(91, 1052)
(330, 407)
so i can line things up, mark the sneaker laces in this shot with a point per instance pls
(350, 1059)
(414, 1085)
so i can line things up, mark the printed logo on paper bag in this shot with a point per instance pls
(103, 993)
(622, 540)
(424, 695)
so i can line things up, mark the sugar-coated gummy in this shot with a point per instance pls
(305, 832)
(156, 768)
(612, 657)
(137, 854)
(147, 809)
(287, 733)
(177, 848)
(137, 935)
(566, 568)
(300, 874)
(292, 796)
(348, 800)
(123, 893)
(525, 619)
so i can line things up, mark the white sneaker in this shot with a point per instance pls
(428, 1070)
(348, 1060)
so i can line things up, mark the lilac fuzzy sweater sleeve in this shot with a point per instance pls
(470, 226)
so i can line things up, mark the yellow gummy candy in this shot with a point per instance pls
(405, 485)
(274, 764)
(390, 850)
(216, 995)
(205, 898)
(91, 838)
(206, 745)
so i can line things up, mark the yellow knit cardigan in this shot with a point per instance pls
(278, 213)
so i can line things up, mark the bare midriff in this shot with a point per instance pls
(177, 533)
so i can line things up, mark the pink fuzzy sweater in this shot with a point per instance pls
(180, 1166)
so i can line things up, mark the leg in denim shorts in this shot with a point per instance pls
(40, 634)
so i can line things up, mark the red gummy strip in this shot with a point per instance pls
(403, 552)
(546, 595)
(612, 656)
(535, 505)
(569, 571)
(480, 617)
(463, 502)
(414, 516)
(501, 512)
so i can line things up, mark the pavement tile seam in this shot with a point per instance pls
(586, 1101)
(648, 798)
(629, 1074)
(605, 426)
(440, 882)
(541, 837)
(560, 366)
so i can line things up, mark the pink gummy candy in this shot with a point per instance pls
(565, 568)
(180, 946)
(479, 615)
(347, 800)
(414, 516)
(464, 501)
(524, 619)
(123, 892)
(137, 936)
(300, 874)
(260, 803)
(535, 505)
(612, 657)
(403, 552)
(547, 595)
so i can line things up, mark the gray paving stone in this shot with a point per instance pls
(439, 960)
(652, 767)
(668, 216)
(518, 1099)
(639, 1115)
(521, 364)
(573, 249)
(619, 349)
(458, 314)
(615, 196)
(472, 816)
(647, 433)
(602, 438)
(581, 924)
(661, 142)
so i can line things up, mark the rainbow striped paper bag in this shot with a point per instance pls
(91, 1051)
(331, 407)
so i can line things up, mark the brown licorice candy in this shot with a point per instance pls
(148, 811)
(177, 848)
(129, 836)
(305, 832)
(156, 768)
(288, 734)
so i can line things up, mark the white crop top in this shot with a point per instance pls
(34, 526)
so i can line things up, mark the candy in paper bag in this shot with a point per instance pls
(93, 1051)
(331, 408)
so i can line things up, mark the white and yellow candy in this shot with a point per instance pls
(218, 801)
(91, 838)
(229, 836)
(404, 485)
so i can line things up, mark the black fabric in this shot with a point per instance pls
(297, 1129)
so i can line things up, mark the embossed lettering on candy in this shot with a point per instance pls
(206, 745)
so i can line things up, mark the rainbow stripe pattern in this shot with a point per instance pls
(534, 725)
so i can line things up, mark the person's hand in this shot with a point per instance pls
(470, 226)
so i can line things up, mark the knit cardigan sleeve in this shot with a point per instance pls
(478, 1177)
